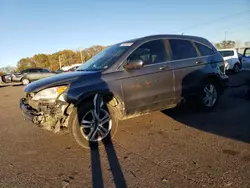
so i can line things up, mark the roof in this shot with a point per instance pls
(166, 36)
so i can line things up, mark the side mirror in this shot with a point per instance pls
(133, 64)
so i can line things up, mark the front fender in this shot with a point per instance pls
(90, 95)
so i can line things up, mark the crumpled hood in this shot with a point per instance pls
(59, 79)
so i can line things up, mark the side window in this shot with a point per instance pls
(204, 50)
(182, 49)
(24, 71)
(43, 70)
(247, 52)
(150, 52)
(33, 71)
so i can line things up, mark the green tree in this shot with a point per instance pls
(24, 63)
(225, 44)
(66, 57)
(41, 60)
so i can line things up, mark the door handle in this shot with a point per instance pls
(198, 62)
(164, 67)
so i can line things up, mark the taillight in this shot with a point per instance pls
(225, 63)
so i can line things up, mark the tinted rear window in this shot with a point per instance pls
(204, 50)
(182, 49)
(227, 53)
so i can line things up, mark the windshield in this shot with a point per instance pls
(104, 59)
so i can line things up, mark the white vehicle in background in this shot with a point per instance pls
(231, 58)
(66, 68)
(246, 59)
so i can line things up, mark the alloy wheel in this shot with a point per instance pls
(210, 95)
(96, 123)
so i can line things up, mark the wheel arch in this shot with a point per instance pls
(24, 77)
(110, 98)
(215, 79)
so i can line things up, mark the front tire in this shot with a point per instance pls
(93, 122)
(209, 95)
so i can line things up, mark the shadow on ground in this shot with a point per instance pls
(15, 85)
(230, 120)
(97, 179)
(11, 84)
(3, 86)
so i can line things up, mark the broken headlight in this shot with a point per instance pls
(50, 93)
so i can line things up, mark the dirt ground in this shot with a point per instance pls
(175, 148)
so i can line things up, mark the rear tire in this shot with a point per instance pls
(25, 81)
(236, 68)
(87, 129)
(209, 95)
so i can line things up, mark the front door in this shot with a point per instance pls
(246, 59)
(151, 86)
(34, 74)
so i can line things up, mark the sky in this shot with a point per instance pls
(28, 27)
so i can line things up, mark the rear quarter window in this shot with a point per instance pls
(203, 49)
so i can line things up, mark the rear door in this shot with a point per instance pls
(151, 86)
(246, 59)
(45, 73)
(187, 66)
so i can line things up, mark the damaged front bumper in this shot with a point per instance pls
(53, 117)
(27, 111)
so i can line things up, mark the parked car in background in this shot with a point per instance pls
(231, 58)
(240, 57)
(28, 75)
(72, 69)
(6, 78)
(67, 68)
(126, 80)
(59, 71)
(246, 59)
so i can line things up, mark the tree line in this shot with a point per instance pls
(64, 57)
(225, 44)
